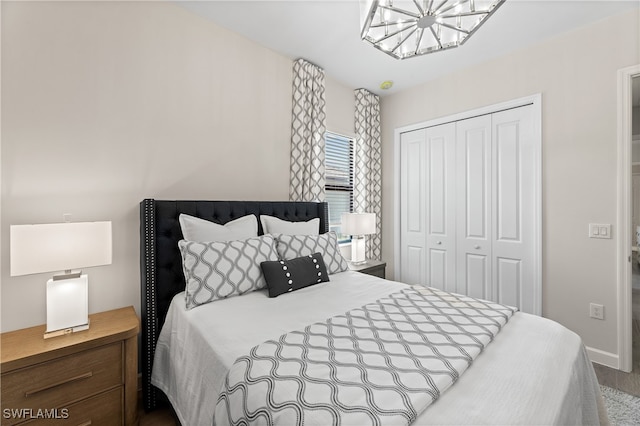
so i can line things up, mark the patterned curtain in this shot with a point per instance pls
(368, 166)
(307, 133)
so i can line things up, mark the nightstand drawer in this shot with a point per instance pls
(101, 410)
(63, 381)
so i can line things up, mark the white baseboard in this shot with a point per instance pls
(605, 358)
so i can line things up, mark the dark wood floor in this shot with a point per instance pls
(159, 417)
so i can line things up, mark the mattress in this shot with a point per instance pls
(534, 372)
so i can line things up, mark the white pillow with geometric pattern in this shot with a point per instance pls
(218, 270)
(293, 246)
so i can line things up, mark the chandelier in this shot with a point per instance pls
(409, 28)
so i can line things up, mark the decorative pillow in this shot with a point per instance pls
(217, 270)
(205, 231)
(292, 246)
(273, 225)
(284, 276)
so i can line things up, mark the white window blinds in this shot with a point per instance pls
(339, 179)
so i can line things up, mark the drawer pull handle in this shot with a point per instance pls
(85, 423)
(55, 385)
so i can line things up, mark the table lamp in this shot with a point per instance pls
(358, 225)
(62, 247)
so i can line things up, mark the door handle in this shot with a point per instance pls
(476, 247)
(438, 242)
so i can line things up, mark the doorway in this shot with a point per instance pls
(628, 242)
(635, 218)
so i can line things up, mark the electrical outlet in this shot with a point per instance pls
(596, 311)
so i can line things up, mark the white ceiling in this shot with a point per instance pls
(326, 32)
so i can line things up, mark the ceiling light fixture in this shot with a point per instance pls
(408, 28)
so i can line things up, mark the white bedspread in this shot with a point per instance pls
(538, 370)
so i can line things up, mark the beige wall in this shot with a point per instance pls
(104, 104)
(576, 74)
(341, 105)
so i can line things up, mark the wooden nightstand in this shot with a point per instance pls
(370, 267)
(85, 378)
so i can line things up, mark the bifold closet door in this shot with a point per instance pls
(428, 207)
(413, 266)
(473, 207)
(514, 201)
(469, 205)
(495, 210)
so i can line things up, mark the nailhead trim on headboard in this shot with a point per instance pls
(149, 312)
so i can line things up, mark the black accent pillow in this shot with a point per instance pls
(284, 276)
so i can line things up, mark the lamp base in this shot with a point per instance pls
(67, 305)
(64, 332)
(357, 250)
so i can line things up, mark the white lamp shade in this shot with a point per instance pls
(358, 223)
(59, 246)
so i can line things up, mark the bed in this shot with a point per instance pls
(533, 371)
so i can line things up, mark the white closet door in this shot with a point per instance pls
(473, 174)
(514, 204)
(428, 207)
(470, 206)
(440, 206)
(412, 206)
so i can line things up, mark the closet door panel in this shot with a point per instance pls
(508, 278)
(438, 269)
(473, 207)
(476, 275)
(413, 260)
(437, 194)
(508, 176)
(476, 194)
(441, 226)
(412, 208)
(514, 205)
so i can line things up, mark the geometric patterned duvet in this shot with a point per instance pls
(381, 364)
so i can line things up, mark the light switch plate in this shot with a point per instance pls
(600, 230)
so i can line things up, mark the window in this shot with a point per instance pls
(339, 179)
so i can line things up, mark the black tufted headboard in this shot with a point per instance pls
(161, 264)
